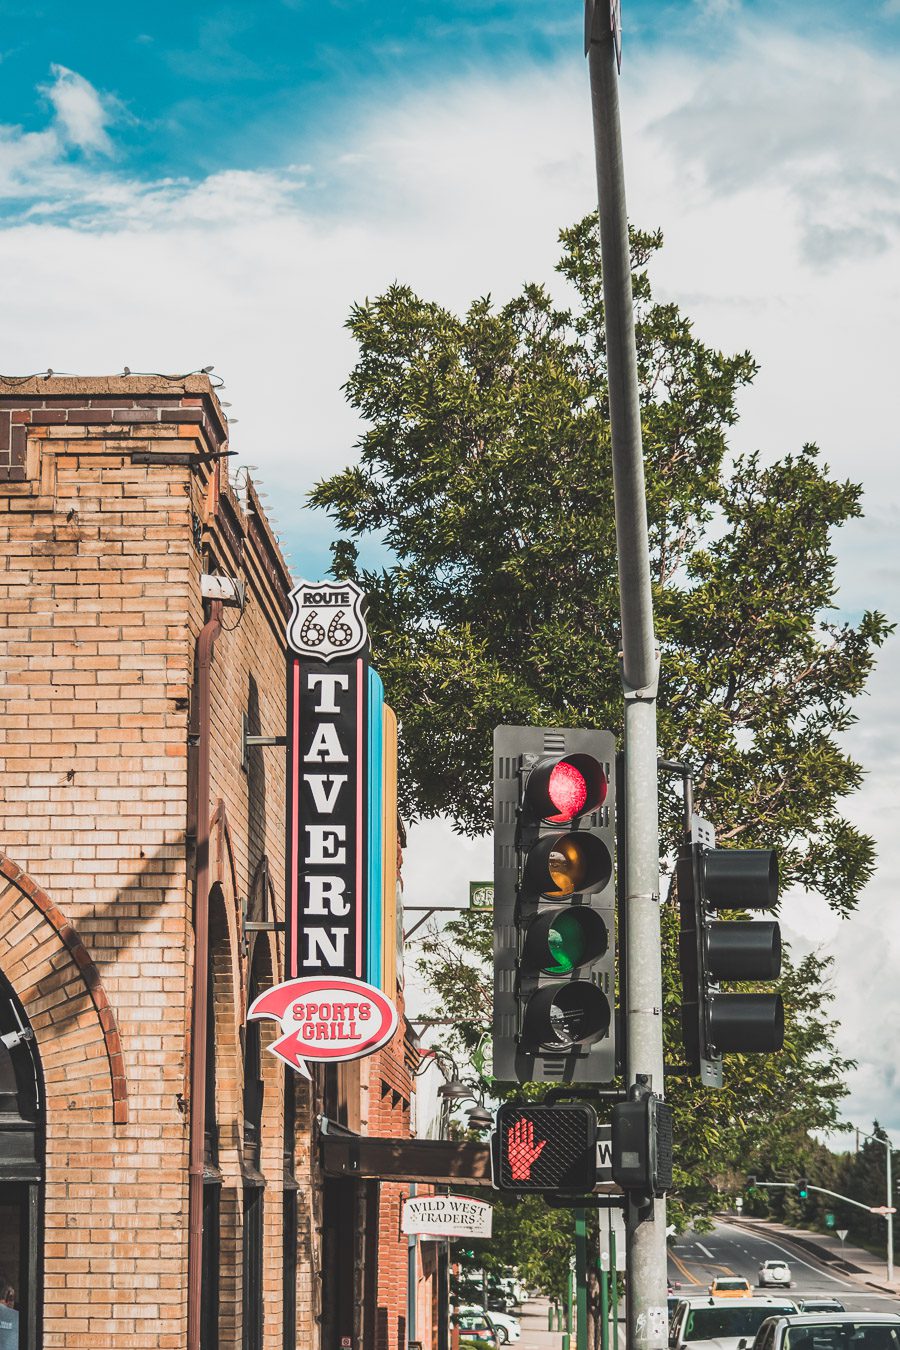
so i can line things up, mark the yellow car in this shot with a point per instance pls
(726, 1286)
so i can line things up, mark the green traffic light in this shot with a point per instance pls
(566, 941)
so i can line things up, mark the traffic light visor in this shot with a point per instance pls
(560, 788)
(743, 950)
(559, 941)
(748, 1023)
(561, 865)
(739, 878)
(563, 1016)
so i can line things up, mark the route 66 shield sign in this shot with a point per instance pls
(327, 621)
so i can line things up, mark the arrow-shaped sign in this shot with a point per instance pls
(328, 1018)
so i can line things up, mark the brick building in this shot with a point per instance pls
(160, 1176)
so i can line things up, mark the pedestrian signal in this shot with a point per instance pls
(545, 1148)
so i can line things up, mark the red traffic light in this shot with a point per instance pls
(563, 787)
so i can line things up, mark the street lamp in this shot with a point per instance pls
(889, 1215)
(455, 1090)
(480, 1118)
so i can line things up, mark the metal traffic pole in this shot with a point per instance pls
(614, 1288)
(889, 1216)
(889, 1201)
(645, 1236)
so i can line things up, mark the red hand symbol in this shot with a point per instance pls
(521, 1149)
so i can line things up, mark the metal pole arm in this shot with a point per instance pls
(792, 1186)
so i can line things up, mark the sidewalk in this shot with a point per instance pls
(535, 1335)
(853, 1262)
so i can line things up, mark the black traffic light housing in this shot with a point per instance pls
(803, 1188)
(554, 905)
(716, 1022)
(642, 1145)
(545, 1148)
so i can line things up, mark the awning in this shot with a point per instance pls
(431, 1160)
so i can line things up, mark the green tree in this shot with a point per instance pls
(485, 469)
(761, 1122)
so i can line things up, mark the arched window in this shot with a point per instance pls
(21, 1176)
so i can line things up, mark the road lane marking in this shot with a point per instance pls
(798, 1260)
(683, 1268)
(706, 1251)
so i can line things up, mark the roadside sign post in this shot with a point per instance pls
(842, 1234)
(614, 1276)
(603, 1273)
(570, 1291)
(581, 1327)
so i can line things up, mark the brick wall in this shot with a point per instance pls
(112, 503)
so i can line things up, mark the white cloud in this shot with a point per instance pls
(82, 114)
(772, 174)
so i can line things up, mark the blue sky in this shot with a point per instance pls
(186, 185)
(192, 89)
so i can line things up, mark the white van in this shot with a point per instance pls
(720, 1323)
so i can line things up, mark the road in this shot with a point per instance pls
(727, 1250)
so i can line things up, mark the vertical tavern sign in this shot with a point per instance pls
(327, 791)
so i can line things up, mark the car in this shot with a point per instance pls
(704, 1323)
(819, 1305)
(477, 1326)
(829, 1331)
(775, 1272)
(508, 1328)
(730, 1286)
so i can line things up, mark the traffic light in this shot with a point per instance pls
(713, 951)
(545, 1148)
(554, 905)
(642, 1145)
(803, 1188)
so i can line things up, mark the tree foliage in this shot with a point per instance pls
(761, 1122)
(860, 1175)
(485, 469)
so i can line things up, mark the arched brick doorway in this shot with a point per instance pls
(63, 1094)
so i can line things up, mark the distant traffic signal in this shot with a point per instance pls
(554, 905)
(545, 1148)
(803, 1188)
(713, 951)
